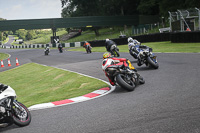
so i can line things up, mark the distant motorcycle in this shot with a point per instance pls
(12, 111)
(46, 51)
(88, 49)
(144, 55)
(114, 50)
(60, 48)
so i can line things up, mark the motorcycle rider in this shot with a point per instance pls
(133, 45)
(47, 48)
(60, 47)
(86, 44)
(116, 61)
(108, 45)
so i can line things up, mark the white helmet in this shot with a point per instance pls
(107, 39)
(107, 62)
(130, 39)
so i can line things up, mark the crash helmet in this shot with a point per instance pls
(106, 55)
(107, 62)
(130, 39)
(107, 39)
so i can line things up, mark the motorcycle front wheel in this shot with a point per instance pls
(116, 53)
(90, 50)
(21, 114)
(141, 80)
(129, 85)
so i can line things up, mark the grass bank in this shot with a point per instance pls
(89, 35)
(35, 84)
(3, 56)
(163, 47)
(45, 38)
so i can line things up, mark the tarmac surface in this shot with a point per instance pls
(167, 103)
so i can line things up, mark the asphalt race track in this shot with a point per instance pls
(168, 102)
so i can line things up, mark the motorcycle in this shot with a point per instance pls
(46, 51)
(88, 49)
(114, 50)
(144, 55)
(12, 111)
(122, 75)
(60, 49)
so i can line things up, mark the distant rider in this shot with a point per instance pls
(108, 45)
(47, 47)
(86, 44)
(60, 47)
(117, 61)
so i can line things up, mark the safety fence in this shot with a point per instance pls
(74, 44)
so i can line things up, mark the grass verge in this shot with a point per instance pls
(3, 56)
(163, 47)
(35, 84)
(45, 38)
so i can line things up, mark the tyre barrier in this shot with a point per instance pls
(75, 44)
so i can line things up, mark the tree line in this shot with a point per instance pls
(74, 8)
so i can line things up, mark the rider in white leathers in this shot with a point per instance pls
(133, 45)
(132, 42)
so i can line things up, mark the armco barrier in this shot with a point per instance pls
(185, 37)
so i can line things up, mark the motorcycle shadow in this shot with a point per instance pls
(146, 68)
(134, 61)
(119, 89)
(13, 126)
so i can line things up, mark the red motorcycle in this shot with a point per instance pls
(122, 75)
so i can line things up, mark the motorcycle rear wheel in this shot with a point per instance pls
(21, 117)
(128, 85)
(46, 53)
(152, 63)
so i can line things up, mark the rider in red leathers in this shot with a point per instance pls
(116, 61)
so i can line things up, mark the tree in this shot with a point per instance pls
(30, 35)
(1, 36)
(148, 7)
(21, 34)
(75, 8)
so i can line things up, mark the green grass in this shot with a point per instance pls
(89, 35)
(35, 84)
(3, 56)
(45, 38)
(5, 41)
(157, 47)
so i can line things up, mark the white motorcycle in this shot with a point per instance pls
(46, 51)
(12, 111)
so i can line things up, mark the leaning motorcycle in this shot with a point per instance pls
(122, 75)
(114, 50)
(88, 49)
(46, 51)
(60, 49)
(12, 111)
(144, 55)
